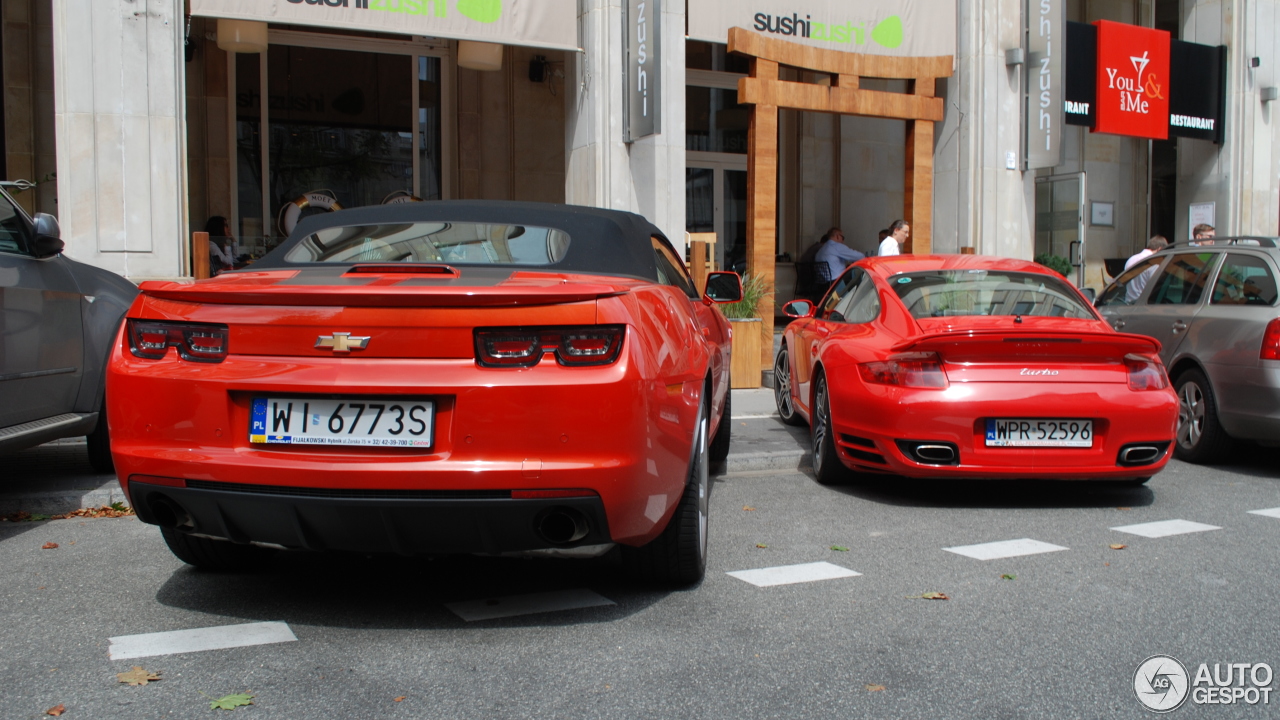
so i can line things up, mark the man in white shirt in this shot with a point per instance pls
(836, 254)
(1135, 287)
(899, 231)
(1154, 245)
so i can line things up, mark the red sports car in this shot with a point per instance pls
(963, 366)
(444, 377)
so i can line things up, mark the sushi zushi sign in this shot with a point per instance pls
(909, 28)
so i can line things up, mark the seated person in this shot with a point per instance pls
(836, 254)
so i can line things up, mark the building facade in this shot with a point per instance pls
(142, 120)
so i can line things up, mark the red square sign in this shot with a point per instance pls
(1133, 81)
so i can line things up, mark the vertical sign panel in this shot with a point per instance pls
(1045, 84)
(644, 70)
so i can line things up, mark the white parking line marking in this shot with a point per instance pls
(127, 647)
(755, 417)
(1165, 528)
(1269, 512)
(531, 604)
(791, 574)
(1004, 549)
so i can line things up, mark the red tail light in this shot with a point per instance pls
(917, 370)
(1146, 372)
(1271, 341)
(195, 342)
(573, 346)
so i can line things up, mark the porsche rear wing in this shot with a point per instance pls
(981, 345)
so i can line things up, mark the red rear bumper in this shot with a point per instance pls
(870, 421)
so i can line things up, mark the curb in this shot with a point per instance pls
(753, 462)
(55, 503)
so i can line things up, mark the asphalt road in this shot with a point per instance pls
(1062, 638)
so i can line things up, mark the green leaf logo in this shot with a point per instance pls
(487, 11)
(888, 33)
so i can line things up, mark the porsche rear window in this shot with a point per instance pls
(946, 293)
(463, 243)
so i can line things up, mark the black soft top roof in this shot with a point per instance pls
(601, 242)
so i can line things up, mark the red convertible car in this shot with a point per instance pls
(445, 377)
(963, 366)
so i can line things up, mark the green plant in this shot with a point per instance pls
(1056, 263)
(754, 291)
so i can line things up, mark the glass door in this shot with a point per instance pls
(1060, 219)
(716, 201)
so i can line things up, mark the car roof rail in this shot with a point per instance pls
(1241, 240)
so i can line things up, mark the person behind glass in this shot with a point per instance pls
(223, 249)
(836, 254)
(1203, 232)
(899, 231)
(1134, 289)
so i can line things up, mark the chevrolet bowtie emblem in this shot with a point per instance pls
(342, 342)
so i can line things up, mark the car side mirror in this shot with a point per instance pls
(724, 287)
(798, 309)
(1090, 294)
(48, 240)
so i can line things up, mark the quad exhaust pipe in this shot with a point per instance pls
(561, 526)
(930, 452)
(1140, 454)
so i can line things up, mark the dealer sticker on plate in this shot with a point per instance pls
(382, 422)
(1039, 432)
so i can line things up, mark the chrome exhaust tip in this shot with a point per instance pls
(936, 454)
(561, 526)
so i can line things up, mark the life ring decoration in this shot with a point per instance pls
(398, 197)
(287, 220)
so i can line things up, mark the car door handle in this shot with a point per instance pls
(1117, 323)
(1179, 326)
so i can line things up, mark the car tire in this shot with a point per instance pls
(782, 389)
(678, 556)
(719, 449)
(100, 444)
(827, 467)
(1201, 438)
(213, 555)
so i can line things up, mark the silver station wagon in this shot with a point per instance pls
(1212, 304)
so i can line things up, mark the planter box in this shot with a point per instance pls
(745, 368)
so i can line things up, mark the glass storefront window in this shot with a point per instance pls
(429, 160)
(699, 55)
(715, 121)
(248, 145)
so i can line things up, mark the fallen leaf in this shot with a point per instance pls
(748, 508)
(231, 702)
(1117, 546)
(1107, 564)
(874, 688)
(761, 545)
(402, 697)
(137, 676)
(49, 546)
(56, 710)
(839, 548)
(1008, 576)
(929, 596)
(1124, 508)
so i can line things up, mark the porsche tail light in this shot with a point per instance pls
(195, 342)
(1146, 372)
(1271, 341)
(572, 346)
(915, 370)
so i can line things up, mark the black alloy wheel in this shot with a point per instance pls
(678, 557)
(782, 389)
(1201, 438)
(720, 443)
(214, 555)
(826, 461)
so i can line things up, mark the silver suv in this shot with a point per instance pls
(1213, 308)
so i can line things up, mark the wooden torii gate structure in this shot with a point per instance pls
(767, 94)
